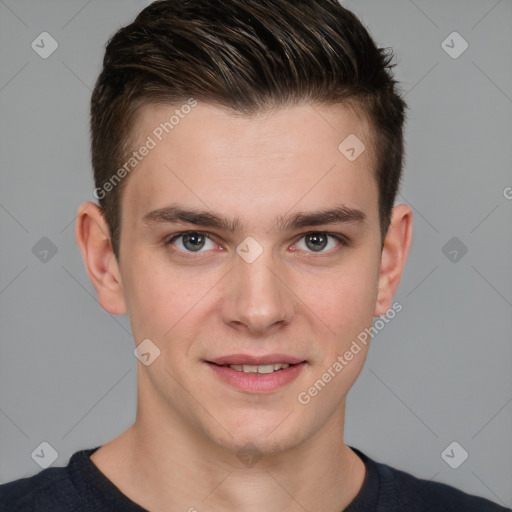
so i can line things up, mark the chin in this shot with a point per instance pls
(268, 436)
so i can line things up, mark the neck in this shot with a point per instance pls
(166, 466)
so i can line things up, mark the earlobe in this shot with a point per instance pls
(93, 238)
(394, 254)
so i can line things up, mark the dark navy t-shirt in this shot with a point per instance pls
(82, 487)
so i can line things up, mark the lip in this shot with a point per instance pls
(256, 360)
(258, 383)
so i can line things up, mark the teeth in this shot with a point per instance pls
(261, 368)
(265, 368)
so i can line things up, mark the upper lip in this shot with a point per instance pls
(255, 360)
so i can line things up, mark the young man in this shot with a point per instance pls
(247, 155)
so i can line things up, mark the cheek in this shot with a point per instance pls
(161, 300)
(345, 303)
(152, 303)
(345, 298)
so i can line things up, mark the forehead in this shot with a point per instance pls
(300, 157)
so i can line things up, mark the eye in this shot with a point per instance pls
(317, 241)
(191, 241)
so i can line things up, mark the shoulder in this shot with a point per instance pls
(48, 490)
(51, 489)
(416, 494)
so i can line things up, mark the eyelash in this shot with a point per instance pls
(341, 239)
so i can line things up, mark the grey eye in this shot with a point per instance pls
(193, 241)
(316, 241)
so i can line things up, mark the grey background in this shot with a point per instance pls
(439, 372)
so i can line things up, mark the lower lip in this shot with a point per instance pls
(258, 383)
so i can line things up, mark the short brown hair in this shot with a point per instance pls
(247, 55)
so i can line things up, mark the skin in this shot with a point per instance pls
(181, 452)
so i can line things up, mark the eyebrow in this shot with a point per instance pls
(174, 214)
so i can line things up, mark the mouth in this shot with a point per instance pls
(259, 369)
(257, 374)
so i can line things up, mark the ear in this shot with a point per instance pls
(394, 253)
(93, 238)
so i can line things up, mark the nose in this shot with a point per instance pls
(257, 298)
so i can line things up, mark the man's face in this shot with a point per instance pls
(269, 287)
